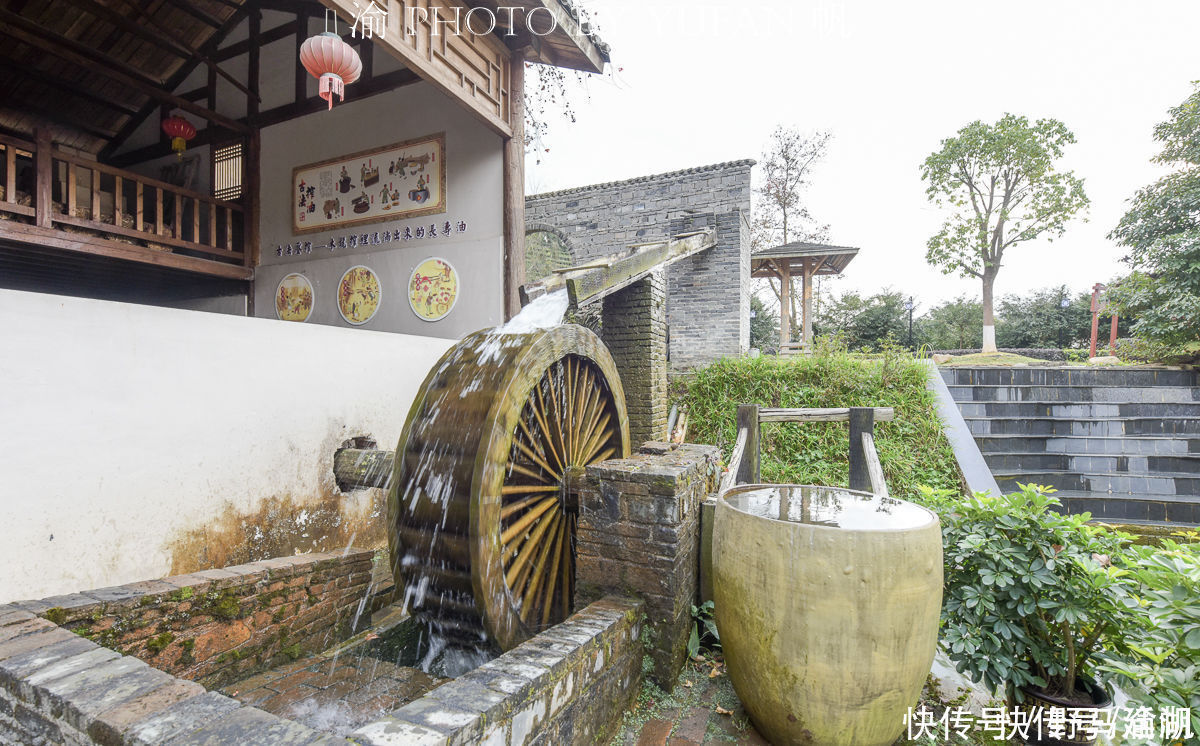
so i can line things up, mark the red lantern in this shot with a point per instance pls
(180, 131)
(333, 62)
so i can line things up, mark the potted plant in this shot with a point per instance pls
(1030, 597)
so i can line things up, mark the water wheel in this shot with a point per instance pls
(481, 510)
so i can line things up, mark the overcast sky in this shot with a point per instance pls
(698, 82)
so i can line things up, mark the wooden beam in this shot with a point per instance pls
(11, 230)
(300, 81)
(593, 284)
(43, 170)
(252, 200)
(252, 65)
(122, 21)
(785, 304)
(109, 67)
(189, 7)
(514, 192)
(808, 278)
(67, 85)
(825, 414)
(239, 48)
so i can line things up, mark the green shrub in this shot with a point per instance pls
(1030, 594)
(1162, 667)
(912, 448)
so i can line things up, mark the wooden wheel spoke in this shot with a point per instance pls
(552, 577)
(596, 438)
(518, 505)
(536, 458)
(539, 410)
(526, 471)
(539, 570)
(535, 442)
(530, 546)
(557, 419)
(523, 489)
(526, 520)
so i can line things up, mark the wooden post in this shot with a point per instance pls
(514, 188)
(862, 420)
(748, 469)
(44, 172)
(785, 304)
(809, 272)
(1112, 336)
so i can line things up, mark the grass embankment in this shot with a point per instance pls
(912, 448)
(996, 358)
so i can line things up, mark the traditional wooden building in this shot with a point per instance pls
(398, 209)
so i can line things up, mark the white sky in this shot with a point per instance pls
(703, 82)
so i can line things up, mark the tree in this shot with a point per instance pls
(1001, 184)
(1162, 232)
(764, 325)
(954, 325)
(781, 216)
(1040, 319)
(865, 322)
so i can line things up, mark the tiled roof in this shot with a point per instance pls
(654, 177)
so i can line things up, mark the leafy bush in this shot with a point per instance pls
(1030, 594)
(1162, 666)
(912, 448)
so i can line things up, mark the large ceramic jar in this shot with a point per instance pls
(827, 604)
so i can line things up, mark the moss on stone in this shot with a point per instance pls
(157, 643)
(57, 615)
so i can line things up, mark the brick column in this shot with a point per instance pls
(634, 326)
(638, 535)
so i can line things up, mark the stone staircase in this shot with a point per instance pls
(1120, 443)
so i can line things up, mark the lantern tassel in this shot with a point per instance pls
(332, 84)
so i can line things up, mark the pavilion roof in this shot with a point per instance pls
(828, 259)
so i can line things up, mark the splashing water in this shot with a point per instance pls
(541, 313)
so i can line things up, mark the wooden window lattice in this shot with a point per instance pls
(227, 171)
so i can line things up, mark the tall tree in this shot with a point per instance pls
(1002, 187)
(1162, 233)
(780, 214)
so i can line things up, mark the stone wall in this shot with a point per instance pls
(217, 626)
(708, 294)
(638, 535)
(634, 328)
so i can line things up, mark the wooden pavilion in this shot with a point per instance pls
(798, 259)
(91, 204)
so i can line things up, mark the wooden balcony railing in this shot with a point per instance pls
(64, 192)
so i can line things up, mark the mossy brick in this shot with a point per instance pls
(249, 726)
(471, 696)
(247, 574)
(36, 727)
(510, 683)
(178, 718)
(71, 607)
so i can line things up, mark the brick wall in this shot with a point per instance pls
(634, 328)
(708, 301)
(216, 626)
(638, 535)
(568, 685)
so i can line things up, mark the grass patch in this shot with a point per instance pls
(997, 358)
(912, 448)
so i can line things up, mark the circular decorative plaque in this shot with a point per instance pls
(433, 289)
(294, 298)
(359, 295)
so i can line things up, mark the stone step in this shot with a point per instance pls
(1132, 508)
(1149, 466)
(1078, 411)
(1090, 446)
(1080, 394)
(1164, 486)
(1068, 375)
(1101, 428)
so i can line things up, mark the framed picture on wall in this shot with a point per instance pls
(404, 180)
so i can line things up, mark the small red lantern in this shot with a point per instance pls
(333, 62)
(180, 131)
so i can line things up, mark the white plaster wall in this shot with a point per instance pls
(122, 424)
(474, 194)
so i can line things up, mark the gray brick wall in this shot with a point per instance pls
(708, 299)
(634, 328)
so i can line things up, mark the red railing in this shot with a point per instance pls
(77, 195)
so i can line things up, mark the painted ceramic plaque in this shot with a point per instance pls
(399, 181)
(433, 289)
(358, 295)
(294, 298)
